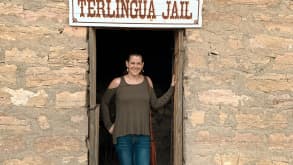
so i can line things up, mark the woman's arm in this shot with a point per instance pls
(105, 101)
(161, 101)
(109, 93)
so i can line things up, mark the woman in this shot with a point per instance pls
(134, 98)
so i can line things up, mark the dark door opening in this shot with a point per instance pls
(157, 48)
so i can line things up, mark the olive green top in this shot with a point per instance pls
(133, 105)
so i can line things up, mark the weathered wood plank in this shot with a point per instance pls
(178, 99)
(93, 113)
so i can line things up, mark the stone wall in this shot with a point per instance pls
(238, 83)
(43, 68)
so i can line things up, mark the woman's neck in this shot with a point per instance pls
(133, 78)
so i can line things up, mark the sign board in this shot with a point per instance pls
(136, 13)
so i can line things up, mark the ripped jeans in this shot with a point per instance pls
(133, 149)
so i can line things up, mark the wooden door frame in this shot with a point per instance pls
(93, 111)
(177, 139)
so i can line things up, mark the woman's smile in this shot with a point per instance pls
(134, 65)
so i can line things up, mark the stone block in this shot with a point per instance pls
(223, 117)
(43, 122)
(75, 159)
(44, 76)
(57, 144)
(284, 62)
(203, 136)
(8, 74)
(25, 56)
(270, 42)
(264, 3)
(75, 31)
(249, 138)
(10, 9)
(280, 28)
(28, 160)
(261, 16)
(270, 162)
(14, 124)
(77, 118)
(4, 98)
(34, 5)
(11, 145)
(226, 17)
(222, 96)
(270, 82)
(196, 60)
(2, 56)
(269, 85)
(197, 117)
(23, 97)
(56, 12)
(235, 43)
(281, 101)
(281, 141)
(261, 121)
(193, 36)
(286, 59)
(227, 159)
(24, 33)
(60, 57)
(39, 99)
(219, 78)
(71, 100)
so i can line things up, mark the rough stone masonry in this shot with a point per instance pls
(238, 83)
(43, 67)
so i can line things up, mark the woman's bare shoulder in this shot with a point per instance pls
(115, 83)
(149, 81)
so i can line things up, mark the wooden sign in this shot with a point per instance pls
(136, 13)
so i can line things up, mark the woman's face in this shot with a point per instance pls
(134, 65)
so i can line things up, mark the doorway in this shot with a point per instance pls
(108, 50)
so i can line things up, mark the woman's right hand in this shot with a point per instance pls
(173, 80)
(111, 129)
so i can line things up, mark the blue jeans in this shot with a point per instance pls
(133, 149)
